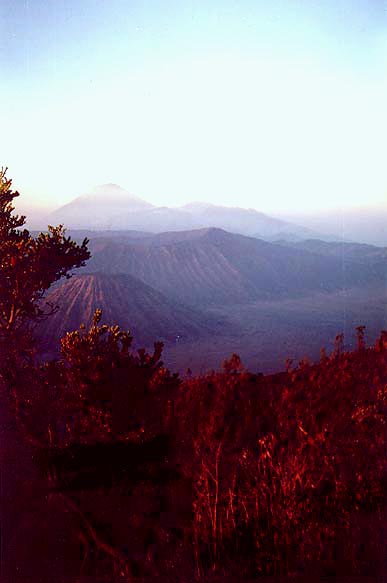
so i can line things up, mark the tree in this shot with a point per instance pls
(360, 336)
(102, 419)
(105, 390)
(29, 265)
(97, 417)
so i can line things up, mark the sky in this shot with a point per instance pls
(276, 105)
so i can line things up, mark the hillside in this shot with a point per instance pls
(211, 267)
(372, 257)
(356, 252)
(126, 301)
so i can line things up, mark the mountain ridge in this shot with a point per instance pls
(211, 267)
(111, 207)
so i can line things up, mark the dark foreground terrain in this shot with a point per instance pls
(116, 470)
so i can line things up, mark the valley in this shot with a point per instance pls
(207, 293)
(209, 280)
(273, 331)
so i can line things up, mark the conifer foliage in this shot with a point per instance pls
(29, 265)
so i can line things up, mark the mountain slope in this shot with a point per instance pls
(375, 258)
(212, 267)
(124, 300)
(353, 251)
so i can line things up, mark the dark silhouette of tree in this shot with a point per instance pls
(29, 265)
(360, 336)
(232, 365)
(338, 346)
(111, 392)
(102, 418)
(99, 416)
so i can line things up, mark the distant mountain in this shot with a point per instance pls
(126, 301)
(372, 256)
(354, 251)
(105, 207)
(246, 222)
(111, 207)
(234, 219)
(367, 224)
(210, 267)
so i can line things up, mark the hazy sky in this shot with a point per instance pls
(264, 103)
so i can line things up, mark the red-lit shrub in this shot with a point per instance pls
(289, 470)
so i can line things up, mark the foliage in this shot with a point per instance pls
(28, 265)
(289, 471)
(100, 418)
(100, 390)
(275, 475)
